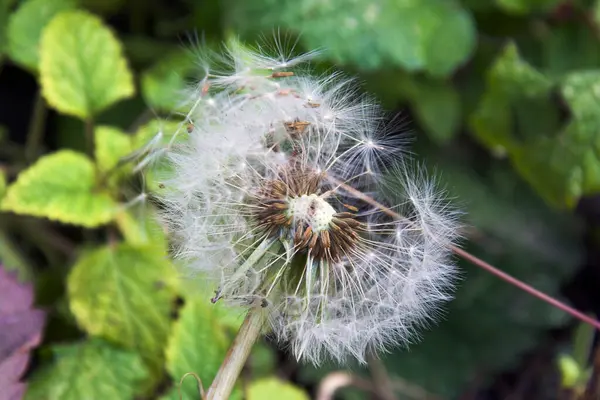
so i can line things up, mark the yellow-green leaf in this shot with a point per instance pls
(125, 294)
(82, 67)
(198, 344)
(140, 227)
(112, 144)
(273, 388)
(3, 183)
(163, 84)
(90, 370)
(62, 187)
(25, 29)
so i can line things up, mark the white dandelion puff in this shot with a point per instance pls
(262, 198)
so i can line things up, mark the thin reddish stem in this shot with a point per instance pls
(480, 263)
(523, 286)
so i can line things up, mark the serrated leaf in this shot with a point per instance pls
(430, 35)
(273, 388)
(82, 67)
(198, 344)
(89, 370)
(111, 145)
(125, 294)
(517, 94)
(437, 106)
(25, 29)
(62, 187)
(163, 84)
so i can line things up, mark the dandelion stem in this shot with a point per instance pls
(479, 262)
(237, 355)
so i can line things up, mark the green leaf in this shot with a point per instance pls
(112, 144)
(570, 371)
(198, 344)
(90, 370)
(140, 227)
(5, 6)
(3, 183)
(273, 388)
(569, 47)
(125, 294)
(437, 106)
(62, 187)
(527, 6)
(430, 35)
(517, 96)
(565, 165)
(163, 84)
(82, 67)
(581, 90)
(25, 29)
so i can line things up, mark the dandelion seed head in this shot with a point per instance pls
(265, 197)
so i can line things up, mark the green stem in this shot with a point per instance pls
(35, 134)
(89, 138)
(237, 355)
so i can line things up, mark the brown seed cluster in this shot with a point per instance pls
(273, 217)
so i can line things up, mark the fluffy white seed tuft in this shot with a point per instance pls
(263, 197)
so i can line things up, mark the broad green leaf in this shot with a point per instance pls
(164, 83)
(5, 6)
(82, 67)
(198, 344)
(273, 388)
(89, 370)
(566, 165)
(125, 294)
(139, 225)
(25, 29)
(596, 11)
(112, 145)
(517, 96)
(527, 6)
(430, 35)
(62, 187)
(568, 47)
(581, 90)
(437, 106)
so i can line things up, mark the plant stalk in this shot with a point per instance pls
(35, 134)
(237, 355)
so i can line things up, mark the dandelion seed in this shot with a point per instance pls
(258, 200)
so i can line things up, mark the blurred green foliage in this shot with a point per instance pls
(520, 78)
